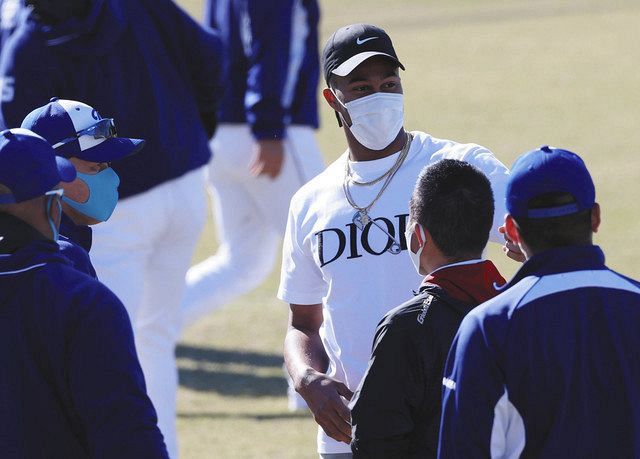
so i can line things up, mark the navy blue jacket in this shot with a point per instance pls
(145, 63)
(272, 48)
(71, 385)
(549, 368)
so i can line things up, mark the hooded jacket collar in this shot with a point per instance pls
(22, 248)
(95, 34)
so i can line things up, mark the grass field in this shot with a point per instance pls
(510, 75)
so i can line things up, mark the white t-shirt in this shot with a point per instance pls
(328, 260)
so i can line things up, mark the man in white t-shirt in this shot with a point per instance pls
(344, 260)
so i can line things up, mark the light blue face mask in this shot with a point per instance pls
(103, 195)
(51, 196)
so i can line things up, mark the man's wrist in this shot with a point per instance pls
(304, 379)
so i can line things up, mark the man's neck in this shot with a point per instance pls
(16, 233)
(439, 262)
(358, 152)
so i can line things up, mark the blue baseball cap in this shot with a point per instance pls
(549, 170)
(77, 130)
(29, 166)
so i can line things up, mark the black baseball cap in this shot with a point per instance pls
(351, 45)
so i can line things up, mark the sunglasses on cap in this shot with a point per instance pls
(103, 129)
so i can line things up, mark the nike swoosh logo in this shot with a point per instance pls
(359, 42)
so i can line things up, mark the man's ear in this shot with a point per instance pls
(330, 97)
(595, 217)
(511, 229)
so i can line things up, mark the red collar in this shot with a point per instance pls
(469, 283)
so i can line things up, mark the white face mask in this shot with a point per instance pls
(415, 257)
(376, 119)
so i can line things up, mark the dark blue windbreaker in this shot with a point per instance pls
(71, 385)
(145, 63)
(550, 367)
(272, 49)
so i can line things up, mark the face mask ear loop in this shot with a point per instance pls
(52, 225)
(338, 115)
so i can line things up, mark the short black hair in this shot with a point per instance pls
(454, 202)
(542, 234)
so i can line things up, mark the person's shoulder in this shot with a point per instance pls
(409, 315)
(76, 255)
(436, 148)
(503, 307)
(628, 279)
(326, 182)
(64, 280)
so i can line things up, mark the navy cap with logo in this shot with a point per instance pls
(29, 166)
(351, 45)
(77, 130)
(544, 171)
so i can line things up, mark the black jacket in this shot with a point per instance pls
(396, 409)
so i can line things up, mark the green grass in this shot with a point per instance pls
(509, 75)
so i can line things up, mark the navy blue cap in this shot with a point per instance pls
(549, 170)
(62, 119)
(351, 45)
(29, 166)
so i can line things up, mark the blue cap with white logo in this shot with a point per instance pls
(77, 130)
(29, 166)
(549, 170)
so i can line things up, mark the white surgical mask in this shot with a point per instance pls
(376, 119)
(415, 257)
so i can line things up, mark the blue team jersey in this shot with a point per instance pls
(548, 368)
(145, 63)
(272, 49)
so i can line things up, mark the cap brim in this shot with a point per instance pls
(66, 170)
(112, 149)
(350, 64)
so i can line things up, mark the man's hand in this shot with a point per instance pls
(510, 248)
(323, 395)
(268, 157)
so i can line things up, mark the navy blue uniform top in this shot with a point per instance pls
(549, 368)
(145, 63)
(272, 47)
(71, 385)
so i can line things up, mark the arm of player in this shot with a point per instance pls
(498, 175)
(269, 42)
(306, 362)
(391, 391)
(478, 420)
(206, 58)
(107, 383)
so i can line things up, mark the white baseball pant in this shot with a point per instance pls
(142, 253)
(251, 216)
